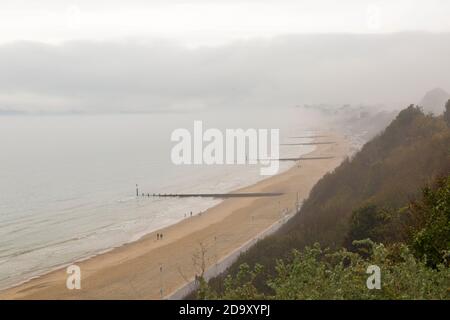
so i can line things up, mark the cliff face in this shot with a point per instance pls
(387, 172)
(386, 192)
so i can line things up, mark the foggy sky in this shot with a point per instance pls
(209, 22)
(156, 75)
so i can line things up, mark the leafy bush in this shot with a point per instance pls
(365, 223)
(432, 242)
(316, 273)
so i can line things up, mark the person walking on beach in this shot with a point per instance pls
(157, 236)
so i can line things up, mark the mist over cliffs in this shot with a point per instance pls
(434, 101)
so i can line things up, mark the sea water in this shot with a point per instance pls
(67, 182)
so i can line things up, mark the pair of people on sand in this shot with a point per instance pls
(159, 236)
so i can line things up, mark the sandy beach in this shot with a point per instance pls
(153, 269)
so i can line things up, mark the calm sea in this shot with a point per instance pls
(67, 182)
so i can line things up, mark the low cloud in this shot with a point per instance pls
(159, 76)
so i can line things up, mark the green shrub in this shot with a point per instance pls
(432, 242)
(316, 273)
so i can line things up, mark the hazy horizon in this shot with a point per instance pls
(163, 75)
(82, 56)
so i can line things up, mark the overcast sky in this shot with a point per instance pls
(103, 56)
(197, 22)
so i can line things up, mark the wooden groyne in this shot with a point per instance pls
(216, 195)
(303, 158)
(298, 158)
(306, 143)
(306, 137)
